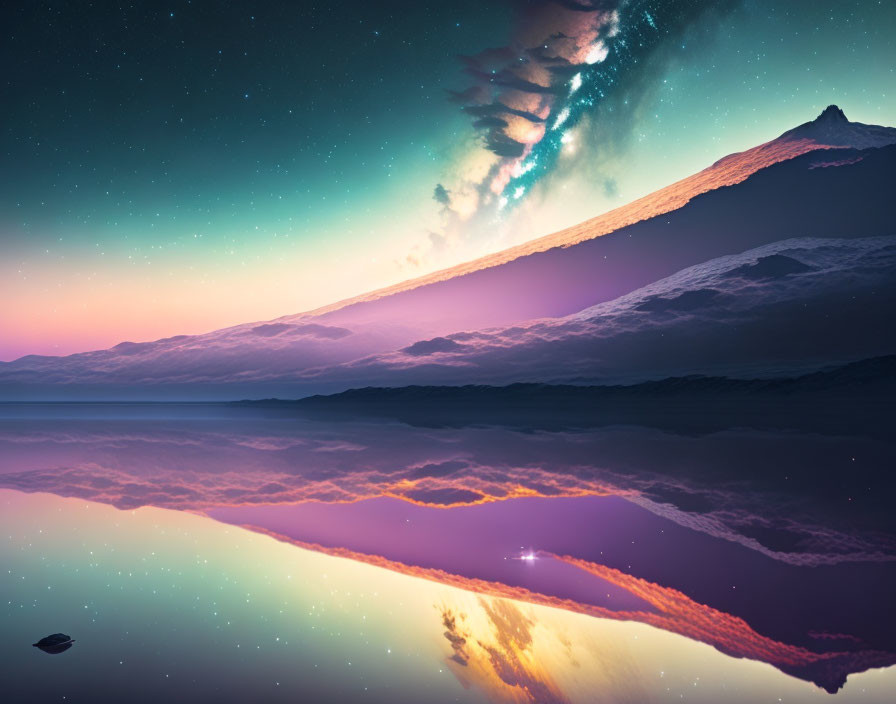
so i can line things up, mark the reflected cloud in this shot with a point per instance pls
(728, 484)
(712, 536)
(667, 609)
(499, 660)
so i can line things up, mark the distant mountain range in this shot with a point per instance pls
(852, 399)
(645, 291)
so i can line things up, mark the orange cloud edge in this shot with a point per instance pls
(674, 612)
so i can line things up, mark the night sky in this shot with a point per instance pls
(175, 168)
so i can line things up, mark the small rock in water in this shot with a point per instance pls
(54, 644)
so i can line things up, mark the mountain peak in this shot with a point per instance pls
(831, 113)
(832, 129)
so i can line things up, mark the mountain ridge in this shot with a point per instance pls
(843, 399)
(729, 170)
(726, 171)
(860, 373)
(849, 198)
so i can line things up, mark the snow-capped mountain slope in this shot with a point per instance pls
(783, 308)
(830, 130)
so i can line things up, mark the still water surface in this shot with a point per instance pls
(209, 557)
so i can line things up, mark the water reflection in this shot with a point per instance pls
(166, 603)
(772, 545)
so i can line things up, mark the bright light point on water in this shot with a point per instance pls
(597, 54)
(529, 557)
(502, 202)
(575, 83)
(566, 138)
(518, 193)
(561, 118)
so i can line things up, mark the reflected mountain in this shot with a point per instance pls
(613, 558)
(268, 620)
(763, 538)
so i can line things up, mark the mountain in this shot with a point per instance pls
(830, 130)
(784, 308)
(795, 185)
(852, 399)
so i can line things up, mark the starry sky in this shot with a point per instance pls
(175, 168)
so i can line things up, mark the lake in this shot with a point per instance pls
(252, 554)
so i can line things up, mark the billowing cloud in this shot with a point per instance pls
(436, 345)
(500, 659)
(441, 195)
(809, 287)
(250, 460)
(566, 59)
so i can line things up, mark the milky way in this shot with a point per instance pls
(527, 99)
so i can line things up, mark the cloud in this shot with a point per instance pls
(444, 496)
(685, 301)
(271, 329)
(439, 469)
(567, 60)
(502, 145)
(441, 195)
(321, 332)
(251, 460)
(650, 332)
(510, 653)
(434, 346)
(457, 641)
(492, 109)
(498, 653)
(611, 187)
(490, 122)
